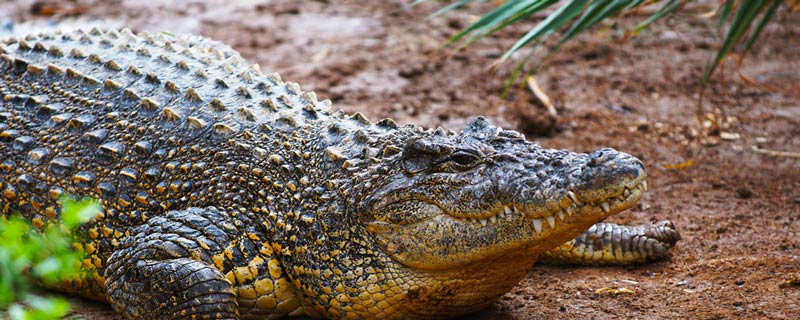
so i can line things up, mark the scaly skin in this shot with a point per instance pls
(230, 194)
(606, 244)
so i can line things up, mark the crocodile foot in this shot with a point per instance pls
(606, 244)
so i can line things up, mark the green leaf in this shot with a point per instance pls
(526, 12)
(45, 255)
(500, 17)
(667, 8)
(47, 308)
(635, 4)
(596, 12)
(48, 268)
(452, 6)
(17, 311)
(74, 212)
(760, 27)
(724, 13)
(745, 14)
(590, 12)
(8, 285)
(553, 22)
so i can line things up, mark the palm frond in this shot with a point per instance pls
(573, 17)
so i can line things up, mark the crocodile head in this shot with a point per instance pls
(475, 205)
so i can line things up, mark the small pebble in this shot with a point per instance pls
(744, 193)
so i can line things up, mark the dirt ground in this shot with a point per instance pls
(736, 206)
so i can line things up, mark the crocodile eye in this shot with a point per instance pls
(464, 159)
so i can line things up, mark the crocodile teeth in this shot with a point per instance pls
(502, 214)
(606, 208)
(506, 209)
(537, 225)
(626, 193)
(483, 222)
(551, 220)
(492, 219)
(473, 220)
(561, 215)
(573, 197)
(644, 185)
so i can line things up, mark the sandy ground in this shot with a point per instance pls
(737, 209)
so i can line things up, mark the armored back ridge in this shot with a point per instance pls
(227, 193)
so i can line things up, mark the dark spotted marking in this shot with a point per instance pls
(61, 166)
(55, 51)
(171, 87)
(10, 192)
(134, 71)
(5, 116)
(111, 65)
(111, 85)
(152, 174)
(22, 143)
(243, 92)
(111, 149)
(246, 113)
(191, 95)
(81, 121)
(196, 123)
(143, 147)
(60, 118)
(77, 53)
(106, 190)
(74, 74)
(38, 155)
(25, 181)
(128, 175)
(9, 135)
(39, 47)
(150, 104)
(94, 136)
(130, 95)
(170, 114)
(49, 109)
(223, 130)
(217, 105)
(83, 179)
(220, 84)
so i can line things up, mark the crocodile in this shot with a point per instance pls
(228, 193)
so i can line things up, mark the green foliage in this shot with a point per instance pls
(575, 16)
(45, 256)
(740, 25)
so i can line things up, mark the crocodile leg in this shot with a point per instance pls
(612, 244)
(172, 289)
(162, 271)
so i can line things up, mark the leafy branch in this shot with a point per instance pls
(43, 256)
(573, 17)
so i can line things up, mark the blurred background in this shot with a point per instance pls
(728, 175)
